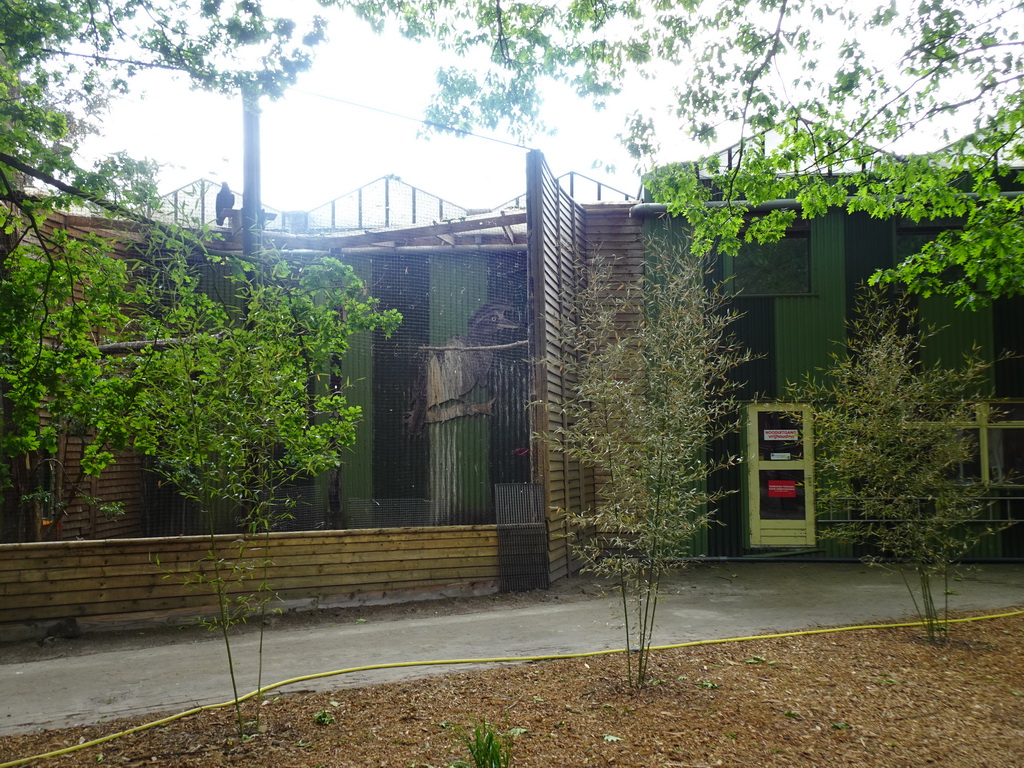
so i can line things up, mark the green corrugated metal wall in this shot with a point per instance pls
(357, 369)
(795, 335)
(957, 331)
(460, 448)
(807, 327)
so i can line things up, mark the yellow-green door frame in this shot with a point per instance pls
(789, 531)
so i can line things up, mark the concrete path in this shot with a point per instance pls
(713, 601)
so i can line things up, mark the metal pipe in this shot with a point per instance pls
(644, 210)
(388, 250)
(790, 559)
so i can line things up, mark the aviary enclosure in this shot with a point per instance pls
(445, 400)
(446, 488)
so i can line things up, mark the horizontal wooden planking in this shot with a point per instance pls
(563, 233)
(90, 578)
(150, 574)
(109, 602)
(604, 228)
(42, 559)
(199, 603)
(279, 566)
(138, 591)
(189, 543)
(52, 562)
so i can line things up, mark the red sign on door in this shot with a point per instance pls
(782, 489)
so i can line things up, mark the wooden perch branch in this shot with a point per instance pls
(476, 349)
(120, 347)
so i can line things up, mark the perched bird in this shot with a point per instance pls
(449, 374)
(225, 203)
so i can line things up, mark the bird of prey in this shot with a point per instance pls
(449, 374)
(225, 203)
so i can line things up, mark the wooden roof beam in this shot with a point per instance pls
(397, 236)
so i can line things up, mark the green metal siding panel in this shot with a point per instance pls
(868, 247)
(459, 448)
(726, 535)
(668, 232)
(957, 331)
(807, 327)
(1008, 336)
(357, 372)
(754, 329)
(399, 464)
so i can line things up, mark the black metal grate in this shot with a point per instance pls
(522, 536)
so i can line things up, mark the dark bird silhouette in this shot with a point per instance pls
(450, 374)
(225, 202)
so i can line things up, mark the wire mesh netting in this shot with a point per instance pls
(195, 205)
(385, 203)
(522, 536)
(381, 204)
(444, 403)
(445, 398)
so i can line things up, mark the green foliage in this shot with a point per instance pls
(246, 403)
(241, 396)
(649, 408)
(224, 370)
(61, 63)
(323, 717)
(100, 353)
(890, 443)
(820, 100)
(487, 747)
(58, 297)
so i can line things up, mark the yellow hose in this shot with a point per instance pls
(505, 659)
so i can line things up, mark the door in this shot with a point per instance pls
(780, 476)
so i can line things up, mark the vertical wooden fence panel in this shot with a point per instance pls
(563, 237)
(555, 224)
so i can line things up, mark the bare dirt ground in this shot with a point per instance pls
(864, 698)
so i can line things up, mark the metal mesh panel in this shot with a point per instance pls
(445, 398)
(394, 513)
(386, 202)
(300, 507)
(195, 204)
(192, 205)
(522, 536)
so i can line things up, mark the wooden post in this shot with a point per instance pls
(252, 205)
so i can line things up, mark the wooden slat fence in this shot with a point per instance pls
(120, 577)
(556, 225)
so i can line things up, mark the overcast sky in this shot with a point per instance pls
(316, 145)
(315, 148)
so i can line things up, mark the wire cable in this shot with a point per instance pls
(420, 120)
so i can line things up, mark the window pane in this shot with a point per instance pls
(773, 268)
(779, 436)
(1006, 456)
(1006, 412)
(782, 494)
(970, 471)
(909, 242)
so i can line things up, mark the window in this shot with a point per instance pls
(774, 269)
(1004, 449)
(999, 435)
